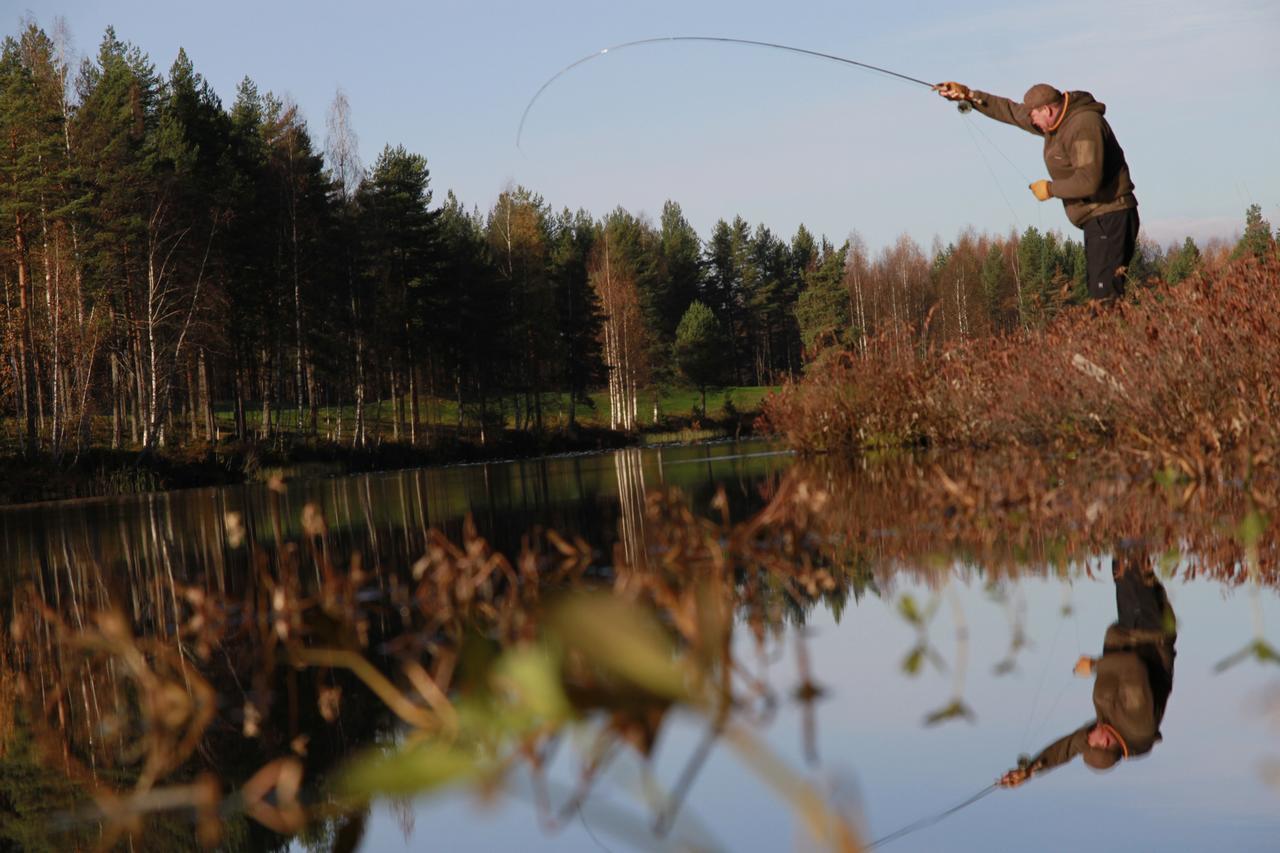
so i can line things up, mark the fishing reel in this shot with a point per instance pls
(965, 107)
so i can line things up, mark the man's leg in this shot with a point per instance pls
(1109, 241)
(1141, 601)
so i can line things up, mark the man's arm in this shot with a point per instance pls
(992, 106)
(1059, 752)
(1085, 150)
(1005, 110)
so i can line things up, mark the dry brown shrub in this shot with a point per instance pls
(1181, 375)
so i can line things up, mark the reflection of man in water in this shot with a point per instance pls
(1133, 678)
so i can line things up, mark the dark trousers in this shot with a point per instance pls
(1141, 602)
(1109, 241)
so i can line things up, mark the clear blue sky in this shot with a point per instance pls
(776, 138)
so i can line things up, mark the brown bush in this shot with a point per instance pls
(1182, 374)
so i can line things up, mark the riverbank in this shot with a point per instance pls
(100, 472)
(1184, 377)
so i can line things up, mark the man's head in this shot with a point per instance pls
(1105, 747)
(1045, 104)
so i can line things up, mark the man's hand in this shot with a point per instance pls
(1014, 778)
(954, 91)
(1084, 666)
(1040, 189)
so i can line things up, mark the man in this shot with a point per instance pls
(1133, 678)
(1087, 171)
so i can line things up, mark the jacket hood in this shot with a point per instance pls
(1085, 102)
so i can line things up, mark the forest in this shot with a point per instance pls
(180, 272)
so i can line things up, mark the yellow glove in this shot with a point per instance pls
(954, 91)
(1040, 189)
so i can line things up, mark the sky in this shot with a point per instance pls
(726, 130)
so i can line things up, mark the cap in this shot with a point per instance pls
(1041, 95)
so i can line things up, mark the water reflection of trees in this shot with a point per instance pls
(281, 659)
(225, 695)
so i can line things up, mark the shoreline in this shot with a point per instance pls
(106, 473)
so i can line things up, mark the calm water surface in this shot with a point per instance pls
(910, 720)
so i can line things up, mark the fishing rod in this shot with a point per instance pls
(963, 106)
(930, 820)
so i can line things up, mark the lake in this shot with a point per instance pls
(805, 655)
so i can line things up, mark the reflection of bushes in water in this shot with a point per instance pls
(480, 662)
(481, 658)
(1017, 513)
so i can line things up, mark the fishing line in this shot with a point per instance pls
(582, 816)
(964, 106)
(715, 40)
(1013, 165)
(992, 173)
(1068, 608)
(930, 820)
(1035, 699)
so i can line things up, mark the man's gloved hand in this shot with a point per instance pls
(1040, 189)
(953, 91)
(1014, 778)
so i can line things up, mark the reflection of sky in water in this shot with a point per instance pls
(1200, 789)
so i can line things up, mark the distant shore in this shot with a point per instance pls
(104, 472)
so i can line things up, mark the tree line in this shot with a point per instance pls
(165, 258)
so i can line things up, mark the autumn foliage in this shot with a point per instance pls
(1181, 374)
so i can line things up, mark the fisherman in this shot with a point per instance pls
(1134, 678)
(1086, 167)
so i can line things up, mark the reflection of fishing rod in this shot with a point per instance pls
(930, 820)
(964, 106)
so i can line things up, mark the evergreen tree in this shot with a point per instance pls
(119, 98)
(681, 269)
(768, 313)
(398, 245)
(1145, 265)
(1183, 262)
(518, 233)
(1256, 241)
(995, 283)
(187, 158)
(472, 358)
(700, 348)
(1032, 280)
(34, 178)
(822, 311)
(578, 317)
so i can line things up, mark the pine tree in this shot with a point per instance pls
(700, 348)
(518, 232)
(1182, 263)
(473, 305)
(577, 309)
(1256, 241)
(119, 98)
(1031, 277)
(33, 186)
(680, 253)
(822, 311)
(398, 237)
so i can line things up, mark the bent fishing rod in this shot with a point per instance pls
(963, 106)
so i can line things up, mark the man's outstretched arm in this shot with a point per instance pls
(991, 106)
(1059, 752)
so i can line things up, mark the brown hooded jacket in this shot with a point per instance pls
(1085, 162)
